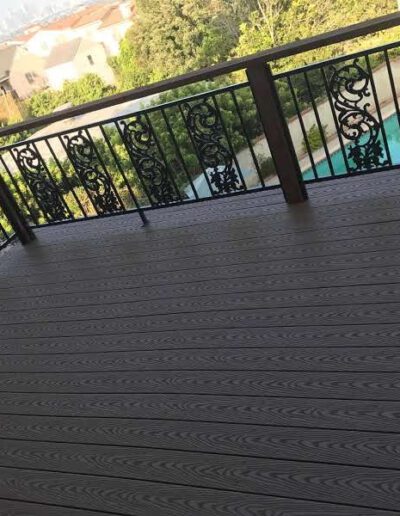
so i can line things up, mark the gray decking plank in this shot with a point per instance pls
(303, 359)
(142, 498)
(331, 446)
(294, 337)
(309, 481)
(231, 293)
(379, 416)
(254, 248)
(109, 307)
(238, 349)
(109, 321)
(15, 508)
(357, 385)
(253, 276)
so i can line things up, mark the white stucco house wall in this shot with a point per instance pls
(113, 27)
(27, 73)
(106, 24)
(70, 61)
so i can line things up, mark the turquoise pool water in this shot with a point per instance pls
(392, 130)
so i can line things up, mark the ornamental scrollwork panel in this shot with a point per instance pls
(350, 86)
(205, 127)
(43, 189)
(139, 139)
(82, 154)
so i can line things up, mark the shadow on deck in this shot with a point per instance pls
(237, 357)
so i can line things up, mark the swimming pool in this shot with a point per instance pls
(392, 130)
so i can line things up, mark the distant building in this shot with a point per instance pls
(70, 61)
(10, 107)
(7, 54)
(27, 74)
(106, 24)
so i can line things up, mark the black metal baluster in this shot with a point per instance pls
(18, 190)
(349, 86)
(59, 194)
(248, 139)
(378, 109)
(121, 171)
(206, 126)
(37, 200)
(196, 151)
(163, 157)
(4, 232)
(142, 182)
(319, 124)
(65, 178)
(103, 166)
(14, 216)
(228, 140)
(302, 126)
(339, 134)
(392, 85)
(171, 132)
(78, 175)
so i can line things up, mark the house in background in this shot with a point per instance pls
(72, 60)
(115, 24)
(10, 107)
(7, 54)
(106, 24)
(27, 73)
(20, 72)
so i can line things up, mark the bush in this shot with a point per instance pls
(267, 167)
(314, 138)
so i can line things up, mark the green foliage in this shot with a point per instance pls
(267, 167)
(231, 122)
(314, 138)
(89, 87)
(276, 22)
(174, 36)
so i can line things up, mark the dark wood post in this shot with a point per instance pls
(14, 214)
(277, 132)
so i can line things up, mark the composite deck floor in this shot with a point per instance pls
(238, 357)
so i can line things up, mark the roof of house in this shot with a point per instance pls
(93, 15)
(64, 23)
(113, 17)
(86, 16)
(65, 52)
(26, 61)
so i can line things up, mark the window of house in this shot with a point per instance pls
(30, 78)
(90, 59)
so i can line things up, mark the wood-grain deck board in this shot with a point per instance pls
(238, 357)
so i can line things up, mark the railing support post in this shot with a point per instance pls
(277, 132)
(14, 214)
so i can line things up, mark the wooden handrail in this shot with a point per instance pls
(297, 47)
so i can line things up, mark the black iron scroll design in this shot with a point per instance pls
(205, 127)
(95, 180)
(139, 139)
(350, 86)
(43, 189)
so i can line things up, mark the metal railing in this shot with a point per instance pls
(347, 109)
(228, 141)
(183, 151)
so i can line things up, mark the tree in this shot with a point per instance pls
(174, 36)
(276, 22)
(87, 88)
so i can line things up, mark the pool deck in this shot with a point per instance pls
(237, 357)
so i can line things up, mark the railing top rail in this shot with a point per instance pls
(141, 111)
(272, 54)
(339, 59)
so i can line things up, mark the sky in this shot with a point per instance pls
(5, 4)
